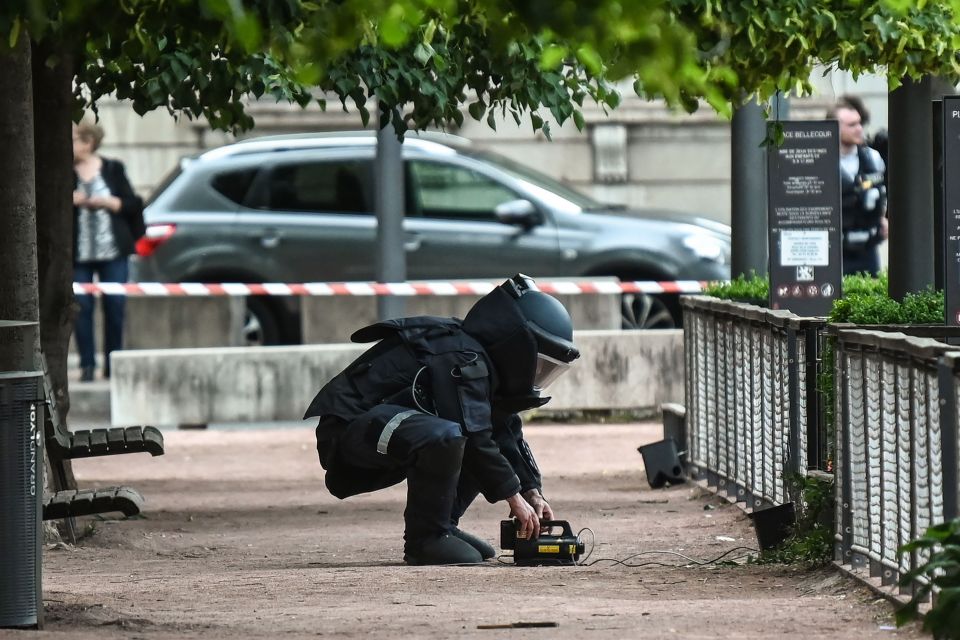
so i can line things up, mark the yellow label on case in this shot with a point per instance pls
(549, 548)
(573, 550)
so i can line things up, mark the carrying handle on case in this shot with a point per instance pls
(549, 524)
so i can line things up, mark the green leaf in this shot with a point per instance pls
(590, 59)
(899, 6)
(393, 29)
(612, 99)
(248, 31)
(552, 57)
(536, 120)
(423, 53)
(884, 26)
(14, 32)
(477, 110)
(908, 612)
(429, 31)
(943, 619)
(578, 119)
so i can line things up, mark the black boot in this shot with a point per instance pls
(446, 549)
(431, 489)
(484, 548)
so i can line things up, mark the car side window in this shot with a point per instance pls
(331, 187)
(453, 192)
(234, 184)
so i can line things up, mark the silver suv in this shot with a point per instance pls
(299, 208)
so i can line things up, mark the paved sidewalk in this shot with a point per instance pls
(240, 540)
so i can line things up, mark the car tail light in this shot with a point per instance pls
(155, 236)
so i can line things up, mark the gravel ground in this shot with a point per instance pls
(239, 539)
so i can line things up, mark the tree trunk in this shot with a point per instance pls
(18, 239)
(53, 111)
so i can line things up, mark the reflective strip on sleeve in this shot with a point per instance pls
(390, 427)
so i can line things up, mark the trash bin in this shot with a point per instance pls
(21, 495)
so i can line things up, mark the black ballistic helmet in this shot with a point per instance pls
(546, 318)
(528, 336)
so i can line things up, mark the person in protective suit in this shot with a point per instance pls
(435, 402)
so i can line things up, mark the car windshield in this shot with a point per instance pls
(539, 180)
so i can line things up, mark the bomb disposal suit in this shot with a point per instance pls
(435, 402)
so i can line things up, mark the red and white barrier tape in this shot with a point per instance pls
(454, 288)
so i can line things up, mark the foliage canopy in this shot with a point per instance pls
(424, 60)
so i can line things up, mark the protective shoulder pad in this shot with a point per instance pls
(386, 328)
(375, 332)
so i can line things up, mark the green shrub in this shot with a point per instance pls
(942, 570)
(866, 308)
(926, 307)
(877, 307)
(752, 288)
(865, 300)
(865, 284)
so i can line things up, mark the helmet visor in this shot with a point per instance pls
(548, 370)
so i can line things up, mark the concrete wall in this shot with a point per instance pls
(617, 370)
(183, 322)
(335, 318)
(157, 322)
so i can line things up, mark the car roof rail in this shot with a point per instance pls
(434, 141)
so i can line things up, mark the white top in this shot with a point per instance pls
(850, 162)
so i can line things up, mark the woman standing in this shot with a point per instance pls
(108, 220)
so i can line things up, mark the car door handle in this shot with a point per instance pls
(269, 238)
(412, 243)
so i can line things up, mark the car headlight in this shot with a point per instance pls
(708, 247)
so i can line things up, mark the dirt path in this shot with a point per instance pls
(240, 540)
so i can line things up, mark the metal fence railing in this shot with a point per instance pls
(755, 416)
(896, 446)
(752, 408)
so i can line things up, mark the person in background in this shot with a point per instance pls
(879, 141)
(108, 220)
(863, 190)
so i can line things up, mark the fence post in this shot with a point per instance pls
(948, 435)
(793, 386)
(815, 426)
(843, 452)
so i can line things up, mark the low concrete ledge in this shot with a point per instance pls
(617, 370)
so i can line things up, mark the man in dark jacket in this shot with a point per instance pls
(863, 192)
(435, 402)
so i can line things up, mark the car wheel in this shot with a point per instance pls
(644, 311)
(260, 326)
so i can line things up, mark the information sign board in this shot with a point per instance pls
(804, 211)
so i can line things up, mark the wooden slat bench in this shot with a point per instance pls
(62, 445)
(71, 503)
